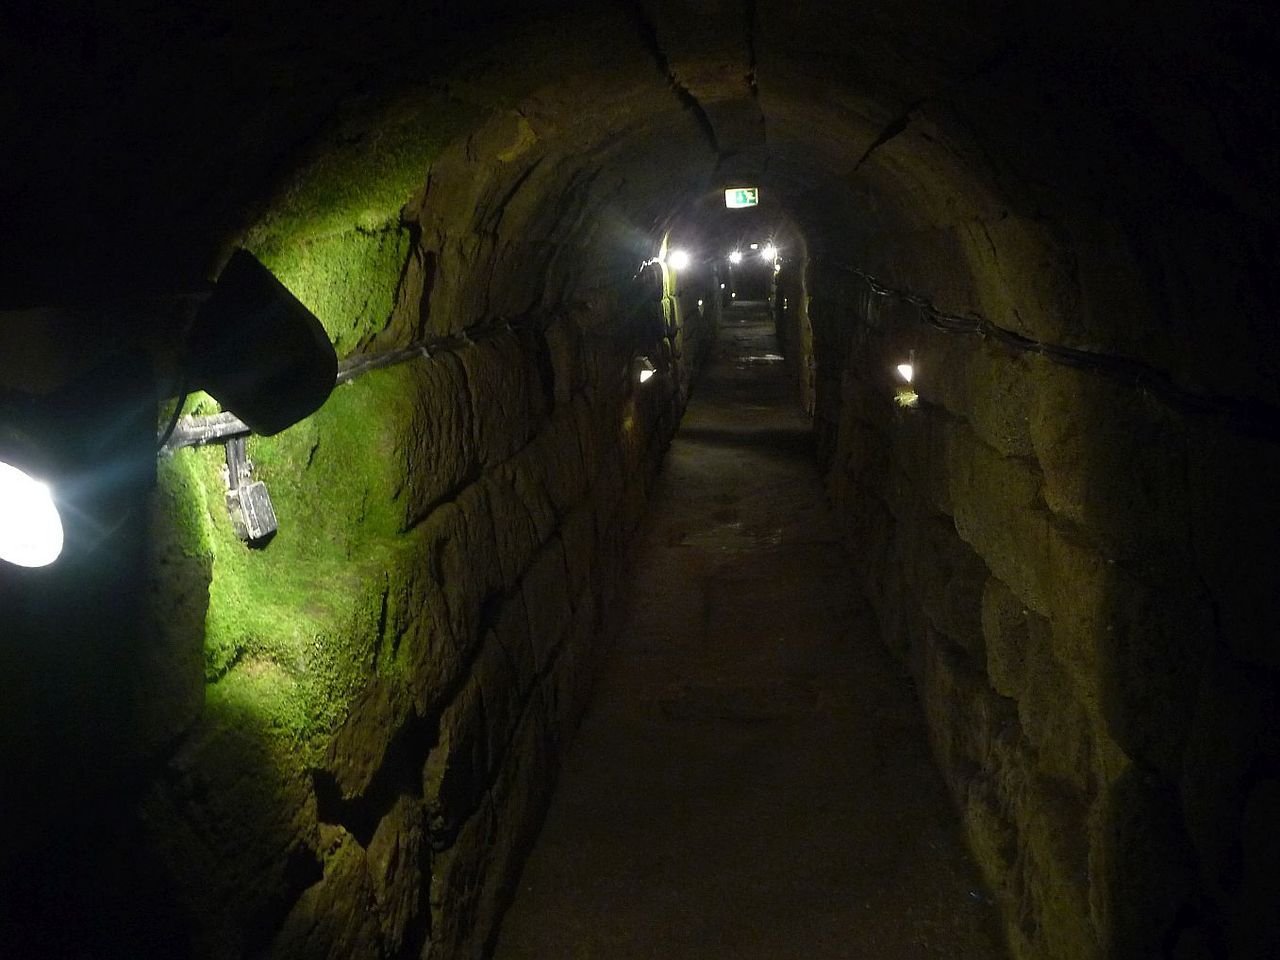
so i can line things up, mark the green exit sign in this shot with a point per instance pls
(741, 197)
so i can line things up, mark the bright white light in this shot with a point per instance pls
(734, 295)
(906, 371)
(722, 286)
(755, 246)
(770, 252)
(678, 259)
(645, 375)
(735, 257)
(30, 528)
(699, 304)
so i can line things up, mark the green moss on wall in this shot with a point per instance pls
(185, 496)
(348, 280)
(362, 172)
(334, 235)
(293, 627)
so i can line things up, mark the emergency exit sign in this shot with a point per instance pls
(741, 197)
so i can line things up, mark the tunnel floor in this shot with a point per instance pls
(752, 779)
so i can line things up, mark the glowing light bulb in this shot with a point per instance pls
(722, 286)
(678, 259)
(735, 257)
(644, 369)
(755, 246)
(906, 371)
(30, 528)
(770, 252)
(645, 375)
(699, 304)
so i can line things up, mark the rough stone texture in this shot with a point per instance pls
(1089, 175)
(1031, 536)
(753, 779)
(404, 836)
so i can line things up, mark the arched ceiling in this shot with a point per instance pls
(151, 138)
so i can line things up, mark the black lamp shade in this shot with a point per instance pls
(258, 351)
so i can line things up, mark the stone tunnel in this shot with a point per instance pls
(343, 743)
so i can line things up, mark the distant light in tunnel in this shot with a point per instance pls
(30, 526)
(770, 252)
(644, 369)
(735, 257)
(906, 396)
(755, 246)
(907, 371)
(722, 286)
(699, 304)
(678, 259)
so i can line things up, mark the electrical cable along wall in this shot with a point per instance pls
(1249, 418)
(1043, 533)
(331, 746)
(366, 707)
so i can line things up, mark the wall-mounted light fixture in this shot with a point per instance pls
(905, 395)
(735, 257)
(769, 253)
(678, 259)
(699, 304)
(907, 371)
(258, 351)
(31, 532)
(643, 369)
(76, 462)
(267, 360)
(755, 246)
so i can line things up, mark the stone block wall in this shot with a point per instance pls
(521, 468)
(340, 744)
(1047, 549)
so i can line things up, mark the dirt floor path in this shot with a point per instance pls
(752, 780)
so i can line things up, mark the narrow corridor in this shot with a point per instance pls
(752, 779)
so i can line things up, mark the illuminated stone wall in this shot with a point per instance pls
(338, 743)
(389, 682)
(1070, 558)
(202, 756)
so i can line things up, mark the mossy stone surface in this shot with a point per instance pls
(282, 617)
(348, 280)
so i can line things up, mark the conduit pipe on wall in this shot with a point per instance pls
(1247, 417)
